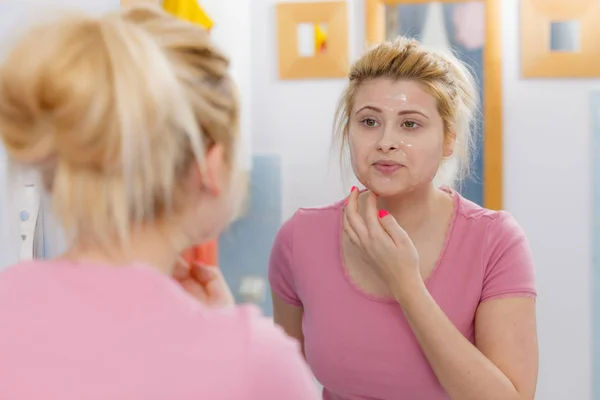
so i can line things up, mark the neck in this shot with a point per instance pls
(415, 209)
(154, 247)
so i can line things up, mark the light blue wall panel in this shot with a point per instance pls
(245, 247)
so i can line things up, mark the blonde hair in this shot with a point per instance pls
(443, 76)
(113, 111)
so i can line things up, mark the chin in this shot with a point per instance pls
(387, 193)
(391, 188)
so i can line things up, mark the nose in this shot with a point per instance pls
(387, 146)
(388, 142)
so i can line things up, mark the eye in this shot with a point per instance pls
(369, 122)
(410, 125)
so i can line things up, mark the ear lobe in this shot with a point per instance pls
(449, 143)
(214, 169)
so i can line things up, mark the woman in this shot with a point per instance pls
(407, 290)
(131, 120)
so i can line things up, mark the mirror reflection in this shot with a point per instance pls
(296, 200)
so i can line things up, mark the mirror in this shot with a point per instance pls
(565, 36)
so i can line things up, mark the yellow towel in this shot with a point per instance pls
(188, 10)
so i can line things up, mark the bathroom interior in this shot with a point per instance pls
(538, 68)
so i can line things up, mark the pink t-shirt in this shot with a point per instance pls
(360, 346)
(83, 332)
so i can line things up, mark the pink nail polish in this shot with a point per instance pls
(353, 189)
(383, 213)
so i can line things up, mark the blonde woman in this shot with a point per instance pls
(131, 121)
(407, 290)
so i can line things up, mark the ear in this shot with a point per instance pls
(215, 165)
(449, 142)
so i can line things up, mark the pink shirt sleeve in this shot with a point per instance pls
(510, 269)
(281, 276)
(279, 369)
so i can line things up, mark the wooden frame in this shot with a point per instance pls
(492, 83)
(538, 60)
(335, 62)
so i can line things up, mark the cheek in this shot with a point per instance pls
(430, 147)
(360, 161)
(358, 152)
(425, 159)
(426, 155)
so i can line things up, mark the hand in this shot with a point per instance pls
(383, 242)
(204, 283)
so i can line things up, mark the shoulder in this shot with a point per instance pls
(306, 220)
(308, 226)
(303, 242)
(491, 223)
(322, 214)
(487, 232)
(496, 238)
(34, 273)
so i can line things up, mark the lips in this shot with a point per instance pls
(387, 167)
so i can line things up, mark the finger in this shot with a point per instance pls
(180, 271)
(204, 273)
(349, 231)
(355, 221)
(213, 281)
(195, 289)
(393, 229)
(371, 215)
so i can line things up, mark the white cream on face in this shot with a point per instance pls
(397, 121)
(402, 97)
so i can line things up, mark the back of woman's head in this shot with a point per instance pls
(113, 112)
(442, 76)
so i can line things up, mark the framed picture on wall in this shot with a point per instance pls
(470, 29)
(312, 40)
(559, 39)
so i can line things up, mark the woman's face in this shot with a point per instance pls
(396, 136)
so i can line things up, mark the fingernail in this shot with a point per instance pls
(383, 213)
(353, 189)
(346, 202)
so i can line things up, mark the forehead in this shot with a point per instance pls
(389, 94)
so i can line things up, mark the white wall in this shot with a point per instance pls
(547, 178)
(231, 33)
(548, 189)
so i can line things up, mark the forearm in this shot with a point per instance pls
(464, 372)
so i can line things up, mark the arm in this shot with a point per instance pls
(287, 306)
(503, 366)
(289, 317)
(504, 363)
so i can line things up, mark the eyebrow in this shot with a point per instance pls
(403, 112)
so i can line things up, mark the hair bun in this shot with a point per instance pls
(112, 111)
